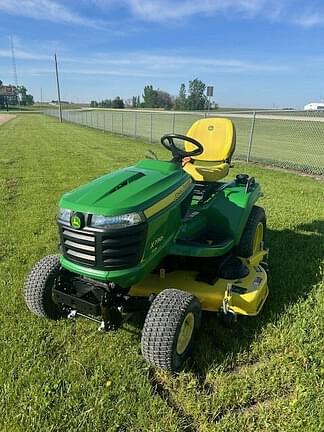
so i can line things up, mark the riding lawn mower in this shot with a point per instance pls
(168, 238)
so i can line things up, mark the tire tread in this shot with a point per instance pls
(162, 324)
(37, 288)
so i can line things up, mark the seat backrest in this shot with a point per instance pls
(217, 136)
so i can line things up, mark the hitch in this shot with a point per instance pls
(111, 315)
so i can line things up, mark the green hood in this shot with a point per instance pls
(130, 189)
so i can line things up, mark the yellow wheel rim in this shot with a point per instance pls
(185, 333)
(258, 238)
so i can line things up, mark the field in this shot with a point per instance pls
(278, 140)
(265, 374)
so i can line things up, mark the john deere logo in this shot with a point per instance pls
(210, 128)
(75, 222)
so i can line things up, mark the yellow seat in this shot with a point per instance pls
(217, 136)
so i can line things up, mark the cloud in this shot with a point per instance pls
(25, 55)
(296, 12)
(310, 19)
(139, 64)
(164, 11)
(46, 10)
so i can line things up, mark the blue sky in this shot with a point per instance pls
(255, 52)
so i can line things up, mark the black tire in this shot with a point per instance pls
(38, 287)
(245, 247)
(163, 325)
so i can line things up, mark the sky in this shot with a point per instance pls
(256, 53)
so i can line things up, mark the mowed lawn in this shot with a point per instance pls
(288, 143)
(265, 374)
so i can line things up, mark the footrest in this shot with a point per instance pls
(199, 249)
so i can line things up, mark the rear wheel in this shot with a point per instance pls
(253, 237)
(169, 329)
(38, 287)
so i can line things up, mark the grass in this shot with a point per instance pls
(283, 142)
(265, 374)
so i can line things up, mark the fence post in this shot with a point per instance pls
(122, 123)
(151, 128)
(173, 123)
(135, 125)
(251, 138)
(112, 121)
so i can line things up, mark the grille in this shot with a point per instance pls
(79, 246)
(104, 250)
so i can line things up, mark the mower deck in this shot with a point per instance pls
(244, 296)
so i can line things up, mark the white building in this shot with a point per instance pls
(314, 106)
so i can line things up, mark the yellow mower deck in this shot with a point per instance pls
(243, 296)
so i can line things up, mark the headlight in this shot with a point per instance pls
(65, 214)
(121, 221)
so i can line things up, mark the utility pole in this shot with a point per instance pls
(58, 90)
(14, 68)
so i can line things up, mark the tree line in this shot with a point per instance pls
(108, 103)
(192, 99)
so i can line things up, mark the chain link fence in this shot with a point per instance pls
(287, 139)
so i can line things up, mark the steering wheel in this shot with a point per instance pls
(178, 154)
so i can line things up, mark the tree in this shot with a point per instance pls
(93, 104)
(106, 103)
(118, 103)
(155, 98)
(136, 102)
(149, 96)
(197, 99)
(29, 99)
(163, 100)
(181, 100)
(22, 92)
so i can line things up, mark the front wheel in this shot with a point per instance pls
(39, 285)
(169, 329)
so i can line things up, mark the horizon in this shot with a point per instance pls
(255, 54)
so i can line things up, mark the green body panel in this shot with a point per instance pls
(159, 190)
(130, 189)
(224, 217)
